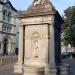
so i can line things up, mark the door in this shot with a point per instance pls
(5, 47)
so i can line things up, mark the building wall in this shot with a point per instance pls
(1, 11)
(7, 29)
(17, 34)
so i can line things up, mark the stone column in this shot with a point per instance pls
(51, 47)
(52, 67)
(19, 64)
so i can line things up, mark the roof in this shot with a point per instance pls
(42, 8)
(9, 4)
(45, 7)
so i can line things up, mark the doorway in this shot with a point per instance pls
(5, 46)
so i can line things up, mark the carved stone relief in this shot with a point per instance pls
(36, 2)
(35, 44)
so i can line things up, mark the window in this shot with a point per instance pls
(6, 15)
(9, 28)
(4, 28)
(9, 17)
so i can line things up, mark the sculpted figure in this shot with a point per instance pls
(36, 2)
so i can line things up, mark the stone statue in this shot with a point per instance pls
(36, 2)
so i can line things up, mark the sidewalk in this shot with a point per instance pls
(6, 65)
(4, 60)
(7, 70)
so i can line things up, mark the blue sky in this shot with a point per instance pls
(60, 5)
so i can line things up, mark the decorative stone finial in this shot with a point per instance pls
(36, 2)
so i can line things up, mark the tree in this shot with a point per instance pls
(68, 27)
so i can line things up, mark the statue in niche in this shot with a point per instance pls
(35, 42)
(36, 47)
(36, 2)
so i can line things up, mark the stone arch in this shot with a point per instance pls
(6, 39)
(5, 43)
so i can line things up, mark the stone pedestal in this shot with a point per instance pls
(64, 69)
(18, 68)
(50, 71)
(33, 70)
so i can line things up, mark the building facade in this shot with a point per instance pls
(8, 23)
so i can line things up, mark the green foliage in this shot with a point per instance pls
(68, 27)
